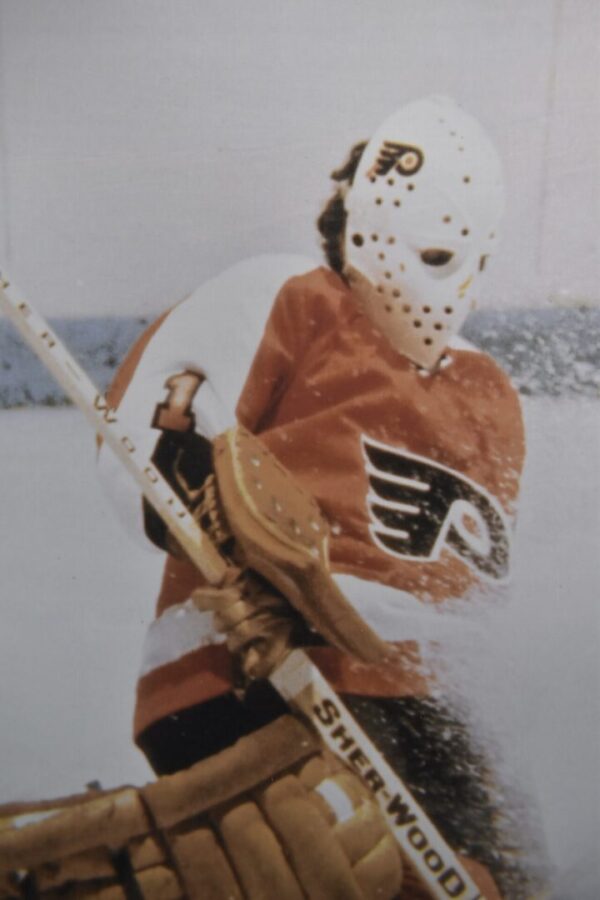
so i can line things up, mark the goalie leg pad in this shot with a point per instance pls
(257, 855)
(360, 833)
(379, 868)
(159, 883)
(203, 866)
(322, 866)
(273, 816)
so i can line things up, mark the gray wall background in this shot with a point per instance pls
(146, 145)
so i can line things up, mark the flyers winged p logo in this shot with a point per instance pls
(403, 158)
(418, 507)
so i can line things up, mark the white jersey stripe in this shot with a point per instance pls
(399, 616)
(178, 631)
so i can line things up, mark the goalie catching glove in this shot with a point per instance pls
(272, 816)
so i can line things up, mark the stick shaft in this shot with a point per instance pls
(300, 683)
(297, 679)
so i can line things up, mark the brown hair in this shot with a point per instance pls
(332, 220)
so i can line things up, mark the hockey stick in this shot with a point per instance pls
(297, 679)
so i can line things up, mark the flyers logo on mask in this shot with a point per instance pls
(417, 508)
(406, 160)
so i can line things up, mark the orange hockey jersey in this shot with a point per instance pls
(416, 472)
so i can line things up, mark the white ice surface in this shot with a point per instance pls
(76, 595)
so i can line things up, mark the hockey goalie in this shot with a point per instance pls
(357, 464)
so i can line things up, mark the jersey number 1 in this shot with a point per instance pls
(175, 414)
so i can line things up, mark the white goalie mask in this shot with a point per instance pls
(422, 214)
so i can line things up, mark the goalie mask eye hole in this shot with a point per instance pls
(434, 256)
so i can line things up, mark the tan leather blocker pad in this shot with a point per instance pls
(284, 537)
